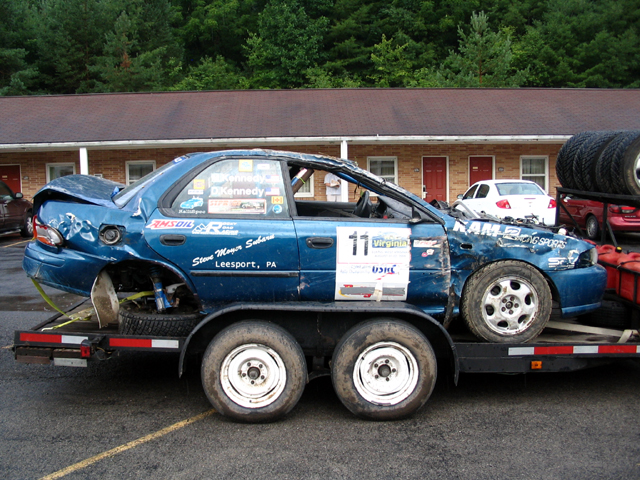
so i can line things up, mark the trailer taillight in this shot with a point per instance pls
(85, 349)
(46, 234)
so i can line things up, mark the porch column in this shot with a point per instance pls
(84, 162)
(344, 186)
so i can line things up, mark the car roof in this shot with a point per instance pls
(504, 180)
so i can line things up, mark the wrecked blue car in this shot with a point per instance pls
(211, 229)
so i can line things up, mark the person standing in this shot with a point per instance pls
(332, 182)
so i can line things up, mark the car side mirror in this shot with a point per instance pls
(415, 216)
(459, 197)
(18, 195)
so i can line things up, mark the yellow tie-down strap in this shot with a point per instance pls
(85, 314)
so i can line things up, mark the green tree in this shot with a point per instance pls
(484, 60)
(140, 53)
(16, 73)
(287, 44)
(211, 74)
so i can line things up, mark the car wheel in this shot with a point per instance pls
(506, 302)
(592, 228)
(138, 318)
(383, 369)
(254, 371)
(27, 229)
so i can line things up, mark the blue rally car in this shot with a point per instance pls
(208, 231)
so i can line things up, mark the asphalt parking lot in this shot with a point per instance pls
(132, 417)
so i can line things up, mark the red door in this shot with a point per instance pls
(480, 168)
(434, 178)
(10, 174)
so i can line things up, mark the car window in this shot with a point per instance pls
(483, 191)
(520, 189)
(234, 187)
(5, 192)
(470, 193)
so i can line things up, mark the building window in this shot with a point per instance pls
(535, 170)
(56, 170)
(138, 169)
(306, 191)
(385, 167)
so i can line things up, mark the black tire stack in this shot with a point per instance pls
(607, 162)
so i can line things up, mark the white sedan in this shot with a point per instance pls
(510, 198)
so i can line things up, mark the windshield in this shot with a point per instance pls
(519, 189)
(124, 196)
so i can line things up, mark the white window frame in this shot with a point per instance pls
(546, 169)
(385, 158)
(310, 194)
(134, 162)
(61, 164)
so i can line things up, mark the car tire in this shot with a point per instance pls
(506, 302)
(564, 161)
(253, 351)
(586, 158)
(137, 318)
(611, 314)
(592, 228)
(27, 229)
(625, 165)
(394, 389)
(609, 167)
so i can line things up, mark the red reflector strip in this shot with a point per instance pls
(51, 338)
(144, 343)
(574, 350)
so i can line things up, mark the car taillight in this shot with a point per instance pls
(503, 204)
(622, 209)
(552, 203)
(46, 234)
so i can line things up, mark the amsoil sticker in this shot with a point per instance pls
(372, 263)
(164, 224)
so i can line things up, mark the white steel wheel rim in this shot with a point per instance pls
(509, 305)
(636, 175)
(253, 375)
(386, 373)
(592, 227)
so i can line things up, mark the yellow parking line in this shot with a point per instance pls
(126, 446)
(14, 244)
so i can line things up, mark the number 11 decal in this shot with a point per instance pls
(365, 237)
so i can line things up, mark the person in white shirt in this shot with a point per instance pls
(332, 182)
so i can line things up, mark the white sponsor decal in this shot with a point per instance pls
(215, 228)
(372, 263)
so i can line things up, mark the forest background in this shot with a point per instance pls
(90, 46)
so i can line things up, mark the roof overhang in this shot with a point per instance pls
(282, 141)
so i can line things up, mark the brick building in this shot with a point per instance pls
(434, 140)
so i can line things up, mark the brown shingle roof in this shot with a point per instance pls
(315, 113)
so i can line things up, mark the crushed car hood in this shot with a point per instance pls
(83, 188)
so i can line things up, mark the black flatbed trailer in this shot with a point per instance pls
(563, 346)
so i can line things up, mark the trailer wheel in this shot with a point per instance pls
(383, 369)
(138, 318)
(506, 302)
(254, 371)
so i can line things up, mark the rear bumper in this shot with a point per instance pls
(66, 270)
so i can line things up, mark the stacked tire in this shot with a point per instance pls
(604, 161)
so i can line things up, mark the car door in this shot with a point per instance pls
(373, 259)
(6, 198)
(229, 229)
(478, 201)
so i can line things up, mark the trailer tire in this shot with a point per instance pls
(254, 371)
(565, 159)
(393, 389)
(610, 165)
(626, 164)
(506, 302)
(137, 319)
(586, 158)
